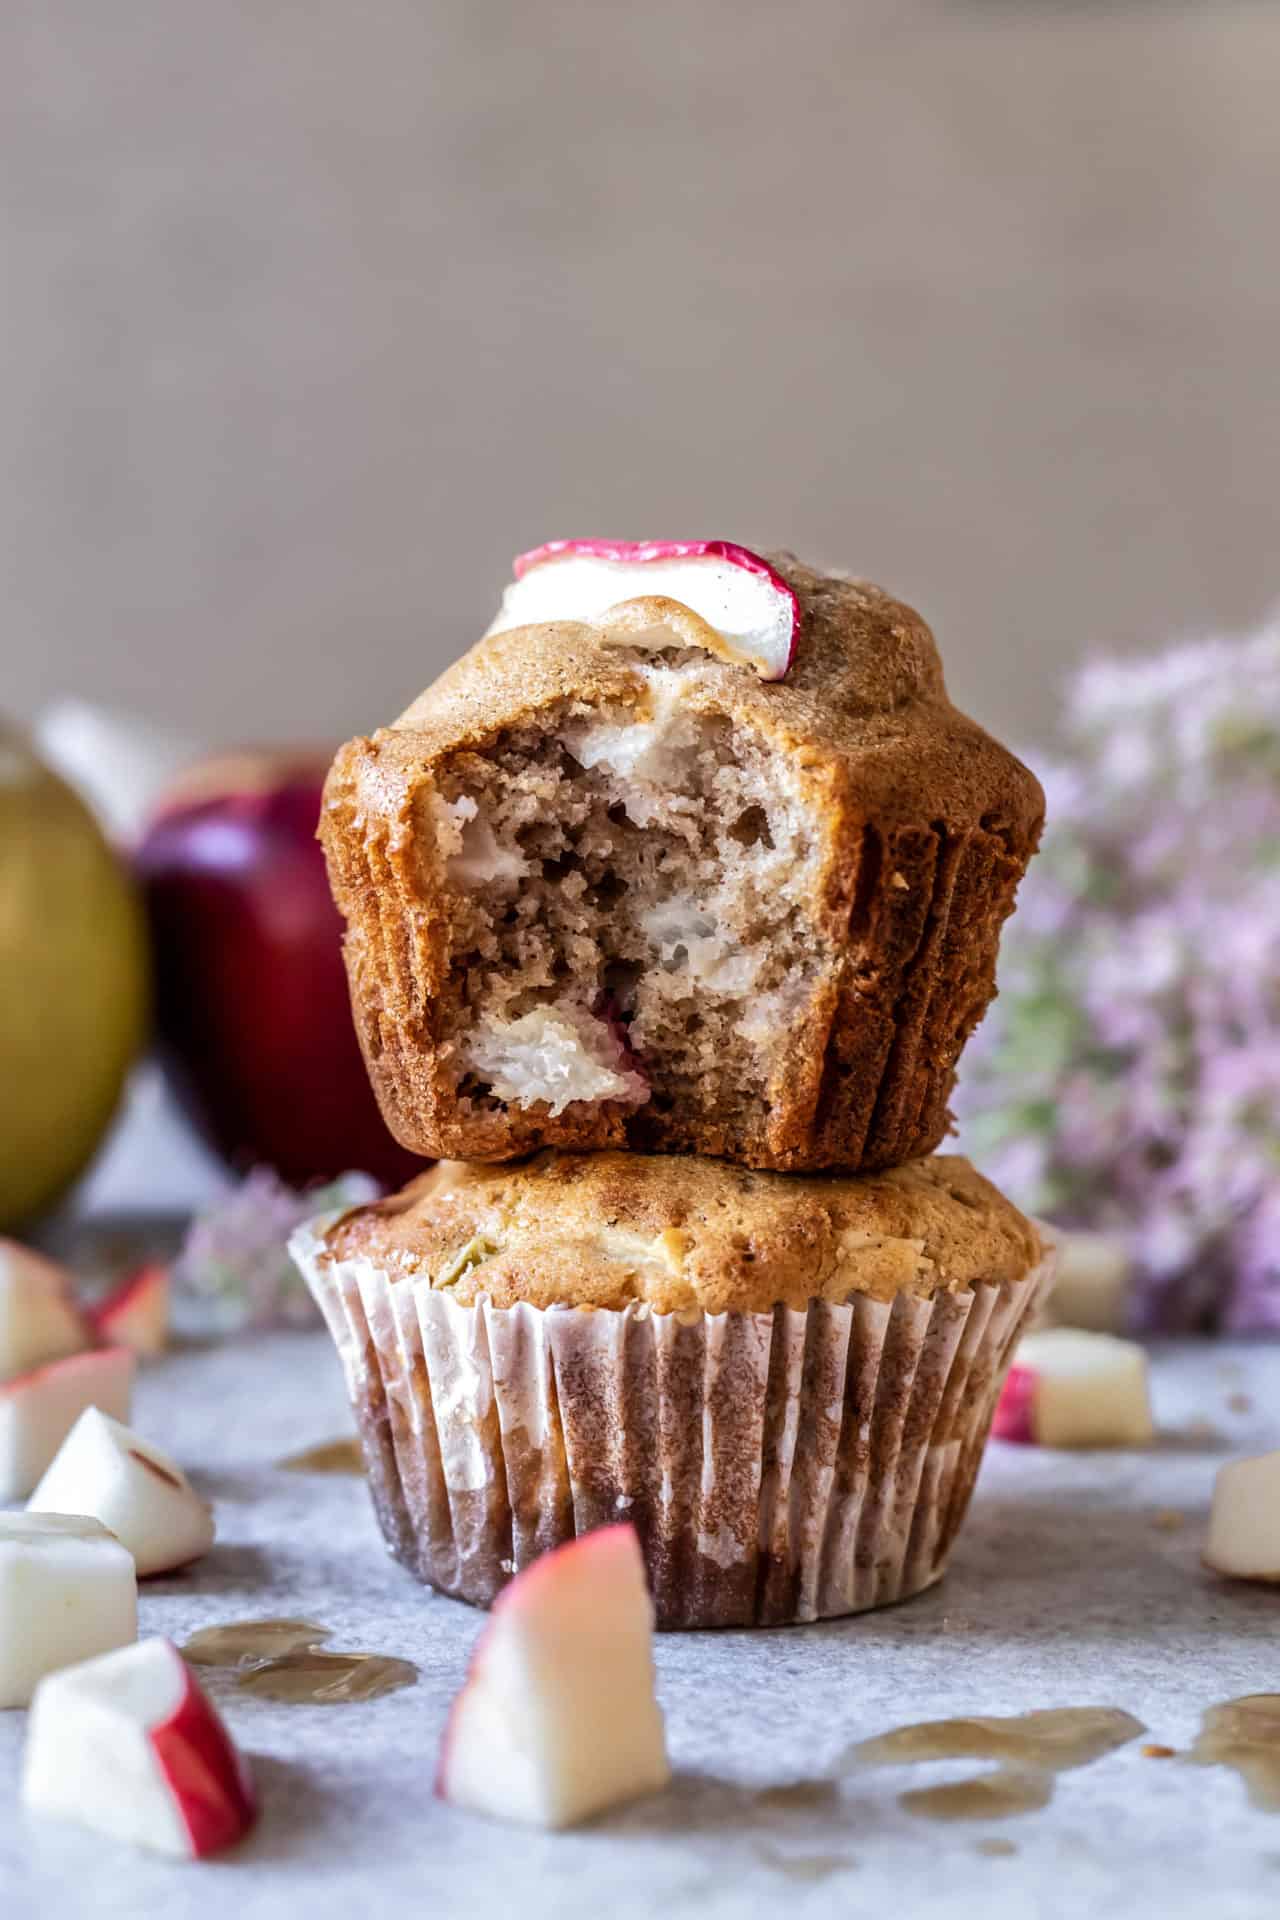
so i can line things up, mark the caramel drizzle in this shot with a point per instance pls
(1031, 1748)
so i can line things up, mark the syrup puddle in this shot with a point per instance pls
(806, 1796)
(333, 1456)
(804, 1866)
(249, 1642)
(1244, 1734)
(1032, 1748)
(315, 1679)
(282, 1660)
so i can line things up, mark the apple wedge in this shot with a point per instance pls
(1093, 1279)
(105, 1469)
(1072, 1389)
(129, 1745)
(39, 1318)
(136, 1314)
(39, 1409)
(1244, 1520)
(741, 607)
(68, 1590)
(557, 1719)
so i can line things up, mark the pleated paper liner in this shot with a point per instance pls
(778, 1467)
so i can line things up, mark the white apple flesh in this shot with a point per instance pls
(558, 1719)
(743, 609)
(136, 1315)
(1244, 1520)
(39, 1318)
(1092, 1282)
(39, 1409)
(129, 1745)
(143, 1496)
(68, 1590)
(1072, 1389)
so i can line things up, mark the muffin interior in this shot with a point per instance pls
(627, 895)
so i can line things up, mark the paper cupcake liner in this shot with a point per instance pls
(778, 1467)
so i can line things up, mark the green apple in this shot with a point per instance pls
(73, 982)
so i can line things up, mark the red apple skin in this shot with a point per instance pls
(514, 1596)
(252, 1007)
(209, 1779)
(638, 551)
(110, 1318)
(1016, 1408)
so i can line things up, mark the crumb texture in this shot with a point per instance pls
(687, 1235)
(601, 896)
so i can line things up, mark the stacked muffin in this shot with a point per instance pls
(706, 945)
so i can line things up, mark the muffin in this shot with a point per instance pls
(785, 1382)
(607, 887)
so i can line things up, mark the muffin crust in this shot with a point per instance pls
(902, 831)
(686, 1236)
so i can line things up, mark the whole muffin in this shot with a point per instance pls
(605, 887)
(786, 1383)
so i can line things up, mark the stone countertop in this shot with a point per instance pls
(1071, 1586)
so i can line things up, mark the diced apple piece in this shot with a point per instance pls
(1092, 1283)
(105, 1469)
(129, 1745)
(1073, 1389)
(1244, 1520)
(743, 608)
(557, 1718)
(39, 1318)
(68, 1590)
(1015, 1417)
(39, 1409)
(136, 1315)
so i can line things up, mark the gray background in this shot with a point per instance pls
(314, 313)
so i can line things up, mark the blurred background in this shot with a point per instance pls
(315, 314)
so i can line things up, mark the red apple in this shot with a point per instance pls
(39, 1318)
(1068, 1388)
(742, 608)
(136, 1313)
(39, 1409)
(252, 1006)
(557, 1719)
(106, 1471)
(129, 1745)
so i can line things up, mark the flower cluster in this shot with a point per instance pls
(234, 1269)
(1128, 1078)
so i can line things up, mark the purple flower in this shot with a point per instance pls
(1128, 1077)
(234, 1269)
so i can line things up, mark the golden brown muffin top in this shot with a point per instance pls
(865, 689)
(684, 1235)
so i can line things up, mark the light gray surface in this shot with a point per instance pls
(1063, 1593)
(314, 315)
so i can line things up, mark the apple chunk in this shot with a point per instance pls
(136, 1315)
(557, 1719)
(1093, 1282)
(743, 609)
(39, 1319)
(1244, 1520)
(1073, 1389)
(68, 1590)
(105, 1469)
(39, 1409)
(129, 1745)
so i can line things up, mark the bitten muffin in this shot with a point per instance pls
(603, 889)
(786, 1383)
